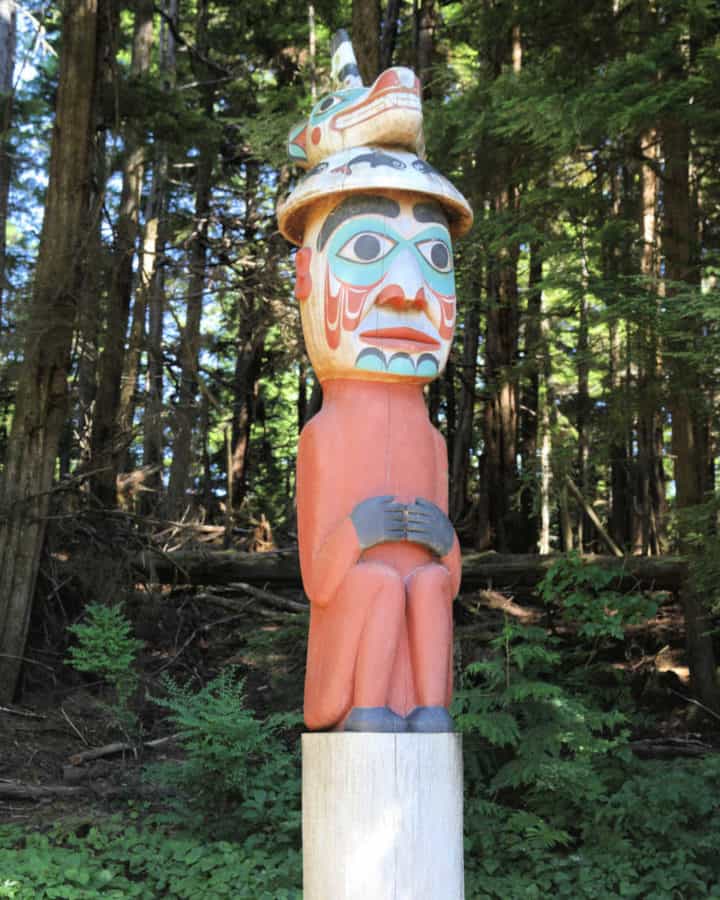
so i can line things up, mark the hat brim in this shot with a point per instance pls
(364, 169)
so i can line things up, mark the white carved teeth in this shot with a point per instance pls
(396, 100)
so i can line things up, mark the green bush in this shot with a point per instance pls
(556, 803)
(105, 647)
(238, 780)
(584, 595)
(237, 775)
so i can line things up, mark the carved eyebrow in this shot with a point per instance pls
(430, 212)
(354, 206)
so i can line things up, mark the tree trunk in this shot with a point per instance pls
(448, 383)
(653, 504)
(142, 53)
(545, 467)
(90, 302)
(460, 459)
(500, 475)
(41, 405)
(244, 381)
(390, 26)
(366, 38)
(8, 23)
(155, 230)
(426, 18)
(613, 257)
(108, 446)
(530, 406)
(186, 412)
(685, 400)
(583, 412)
(501, 406)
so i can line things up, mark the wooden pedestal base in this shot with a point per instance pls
(382, 817)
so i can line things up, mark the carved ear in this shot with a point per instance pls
(297, 141)
(303, 281)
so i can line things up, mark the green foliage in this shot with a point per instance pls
(557, 805)
(147, 859)
(234, 834)
(105, 647)
(237, 775)
(698, 526)
(585, 597)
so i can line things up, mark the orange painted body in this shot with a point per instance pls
(381, 620)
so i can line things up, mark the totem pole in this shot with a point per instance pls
(379, 557)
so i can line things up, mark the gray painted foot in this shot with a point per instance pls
(375, 718)
(430, 720)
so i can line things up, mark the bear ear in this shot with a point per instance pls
(297, 142)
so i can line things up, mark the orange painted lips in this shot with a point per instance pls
(400, 337)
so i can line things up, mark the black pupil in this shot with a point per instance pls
(327, 103)
(440, 256)
(367, 247)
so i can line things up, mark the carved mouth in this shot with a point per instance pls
(400, 337)
(393, 99)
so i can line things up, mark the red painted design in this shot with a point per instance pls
(301, 139)
(332, 315)
(388, 79)
(303, 281)
(343, 311)
(316, 135)
(388, 83)
(447, 315)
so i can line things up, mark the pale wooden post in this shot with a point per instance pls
(382, 817)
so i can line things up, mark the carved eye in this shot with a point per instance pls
(437, 253)
(366, 247)
(327, 104)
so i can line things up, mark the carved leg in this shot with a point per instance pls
(352, 645)
(429, 616)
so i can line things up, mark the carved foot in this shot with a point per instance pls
(375, 718)
(430, 720)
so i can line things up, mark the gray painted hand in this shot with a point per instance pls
(427, 524)
(379, 520)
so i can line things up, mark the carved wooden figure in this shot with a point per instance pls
(379, 557)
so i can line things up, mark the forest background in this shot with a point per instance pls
(153, 380)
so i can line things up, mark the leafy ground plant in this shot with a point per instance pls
(155, 857)
(557, 805)
(105, 647)
(584, 594)
(237, 776)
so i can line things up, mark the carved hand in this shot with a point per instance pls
(378, 520)
(427, 524)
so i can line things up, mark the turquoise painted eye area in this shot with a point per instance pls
(437, 253)
(332, 103)
(366, 247)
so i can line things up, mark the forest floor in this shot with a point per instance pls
(62, 715)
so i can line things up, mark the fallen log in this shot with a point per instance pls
(670, 748)
(509, 572)
(77, 759)
(18, 790)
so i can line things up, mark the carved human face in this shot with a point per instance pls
(376, 285)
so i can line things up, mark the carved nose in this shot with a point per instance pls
(394, 296)
(405, 288)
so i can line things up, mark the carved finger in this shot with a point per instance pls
(419, 516)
